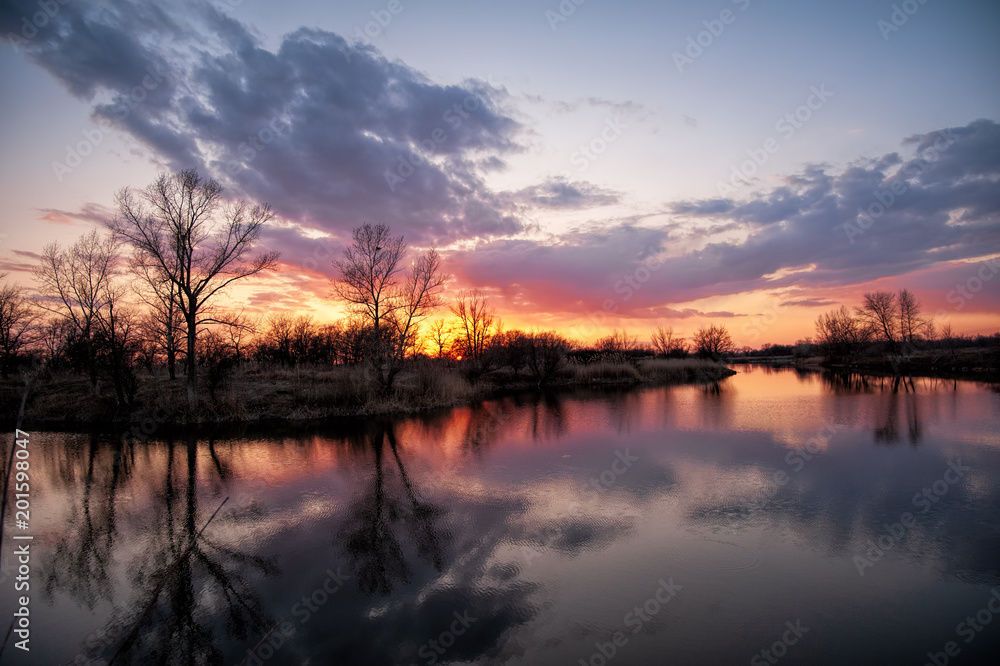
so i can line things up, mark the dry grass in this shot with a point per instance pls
(602, 372)
(647, 370)
(681, 370)
(253, 394)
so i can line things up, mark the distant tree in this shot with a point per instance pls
(164, 322)
(880, 311)
(390, 300)
(841, 334)
(239, 328)
(117, 333)
(515, 347)
(666, 344)
(440, 338)
(912, 323)
(74, 284)
(947, 336)
(477, 324)
(18, 328)
(55, 337)
(278, 333)
(713, 341)
(325, 342)
(218, 359)
(546, 354)
(618, 342)
(303, 338)
(172, 227)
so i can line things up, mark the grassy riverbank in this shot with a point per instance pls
(269, 394)
(972, 362)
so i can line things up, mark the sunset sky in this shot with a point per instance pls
(589, 166)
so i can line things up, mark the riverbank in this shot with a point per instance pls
(253, 394)
(973, 363)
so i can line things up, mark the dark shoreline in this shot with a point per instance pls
(283, 399)
(970, 367)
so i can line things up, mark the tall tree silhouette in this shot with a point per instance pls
(173, 228)
(391, 300)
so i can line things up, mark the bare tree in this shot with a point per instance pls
(17, 324)
(618, 342)
(54, 336)
(713, 341)
(239, 329)
(117, 324)
(880, 311)
(172, 226)
(164, 321)
(373, 284)
(369, 270)
(546, 355)
(477, 324)
(419, 296)
(303, 338)
(74, 285)
(665, 344)
(912, 323)
(278, 334)
(440, 336)
(842, 334)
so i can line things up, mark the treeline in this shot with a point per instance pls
(885, 321)
(147, 295)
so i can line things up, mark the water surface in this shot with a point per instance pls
(824, 519)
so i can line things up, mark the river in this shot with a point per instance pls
(777, 516)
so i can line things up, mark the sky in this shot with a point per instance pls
(588, 165)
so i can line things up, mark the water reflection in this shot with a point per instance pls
(369, 534)
(545, 517)
(183, 591)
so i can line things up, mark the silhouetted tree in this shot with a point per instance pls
(912, 323)
(666, 344)
(880, 311)
(618, 342)
(841, 334)
(74, 284)
(172, 227)
(546, 354)
(440, 337)
(17, 325)
(392, 301)
(117, 328)
(477, 323)
(713, 341)
(164, 324)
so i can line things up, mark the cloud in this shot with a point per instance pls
(331, 134)
(561, 193)
(808, 303)
(792, 236)
(89, 212)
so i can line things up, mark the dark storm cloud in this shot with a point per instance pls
(331, 134)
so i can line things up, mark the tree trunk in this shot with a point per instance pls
(192, 380)
(172, 362)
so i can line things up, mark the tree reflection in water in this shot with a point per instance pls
(209, 588)
(369, 532)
